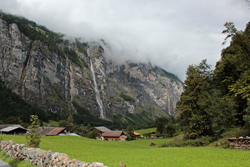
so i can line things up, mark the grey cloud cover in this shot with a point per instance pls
(171, 34)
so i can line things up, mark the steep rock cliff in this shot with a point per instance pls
(54, 80)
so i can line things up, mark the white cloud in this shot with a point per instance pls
(171, 34)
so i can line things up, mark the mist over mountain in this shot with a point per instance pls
(170, 34)
(81, 78)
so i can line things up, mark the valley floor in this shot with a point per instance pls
(138, 153)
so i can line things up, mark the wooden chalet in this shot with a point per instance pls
(101, 130)
(137, 135)
(51, 131)
(11, 129)
(114, 136)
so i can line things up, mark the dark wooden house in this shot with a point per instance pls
(12, 129)
(51, 131)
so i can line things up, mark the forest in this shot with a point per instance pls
(216, 100)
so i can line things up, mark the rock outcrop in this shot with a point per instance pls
(44, 77)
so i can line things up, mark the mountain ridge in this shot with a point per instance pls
(46, 70)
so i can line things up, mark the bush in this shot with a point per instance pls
(204, 141)
(93, 134)
(127, 97)
(33, 137)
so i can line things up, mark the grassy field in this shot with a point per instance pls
(138, 153)
(141, 131)
(14, 162)
(51, 123)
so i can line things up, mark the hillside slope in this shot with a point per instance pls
(60, 75)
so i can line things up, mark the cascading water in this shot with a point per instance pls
(98, 98)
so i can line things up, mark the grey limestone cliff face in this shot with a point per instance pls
(53, 82)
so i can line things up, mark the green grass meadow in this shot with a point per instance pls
(138, 153)
(141, 131)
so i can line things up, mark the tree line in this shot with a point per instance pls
(216, 100)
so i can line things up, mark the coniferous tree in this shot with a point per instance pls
(192, 105)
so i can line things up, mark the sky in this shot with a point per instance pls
(170, 34)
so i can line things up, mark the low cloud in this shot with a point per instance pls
(170, 34)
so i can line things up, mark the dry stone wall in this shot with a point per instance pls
(43, 158)
(239, 143)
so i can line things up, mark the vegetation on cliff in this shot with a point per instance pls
(53, 40)
(14, 110)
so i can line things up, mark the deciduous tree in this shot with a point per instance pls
(33, 137)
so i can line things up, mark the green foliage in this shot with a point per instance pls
(63, 123)
(93, 134)
(70, 119)
(33, 137)
(203, 141)
(130, 133)
(15, 110)
(71, 54)
(147, 135)
(169, 129)
(127, 97)
(214, 101)
(13, 161)
(192, 105)
(165, 73)
(36, 32)
(148, 130)
(246, 117)
(143, 119)
(232, 71)
(84, 117)
(165, 127)
(52, 40)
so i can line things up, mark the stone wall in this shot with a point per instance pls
(239, 143)
(41, 158)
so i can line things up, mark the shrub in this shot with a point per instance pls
(33, 137)
(93, 134)
(203, 141)
(127, 97)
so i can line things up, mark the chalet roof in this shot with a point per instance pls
(137, 134)
(11, 128)
(102, 128)
(10, 125)
(112, 133)
(49, 131)
(56, 131)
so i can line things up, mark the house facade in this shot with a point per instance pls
(114, 136)
(109, 135)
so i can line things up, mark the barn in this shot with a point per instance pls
(51, 131)
(12, 129)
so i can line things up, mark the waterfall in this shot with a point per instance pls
(98, 98)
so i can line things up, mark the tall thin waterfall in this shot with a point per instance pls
(98, 99)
